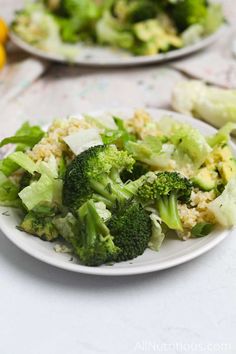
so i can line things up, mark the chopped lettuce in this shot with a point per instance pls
(8, 166)
(118, 135)
(192, 142)
(26, 137)
(104, 121)
(187, 140)
(45, 190)
(185, 94)
(83, 139)
(158, 235)
(49, 168)
(223, 135)
(23, 161)
(152, 152)
(224, 206)
(216, 106)
(67, 226)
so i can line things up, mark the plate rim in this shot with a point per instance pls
(110, 270)
(129, 61)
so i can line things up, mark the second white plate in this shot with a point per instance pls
(105, 56)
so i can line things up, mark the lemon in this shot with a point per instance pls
(2, 56)
(3, 31)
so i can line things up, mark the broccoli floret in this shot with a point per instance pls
(95, 243)
(76, 18)
(139, 169)
(69, 29)
(125, 235)
(165, 189)
(83, 10)
(95, 173)
(131, 228)
(136, 10)
(188, 12)
(39, 222)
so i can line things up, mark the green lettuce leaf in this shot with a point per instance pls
(224, 206)
(152, 152)
(45, 190)
(23, 161)
(8, 166)
(223, 135)
(26, 137)
(119, 136)
(187, 140)
(49, 168)
(216, 106)
(158, 235)
(67, 227)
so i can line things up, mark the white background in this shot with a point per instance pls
(187, 309)
(48, 311)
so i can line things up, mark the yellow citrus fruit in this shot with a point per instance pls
(3, 31)
(2, 56)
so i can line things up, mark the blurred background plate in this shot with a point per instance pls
(172, 253)
(104, 56)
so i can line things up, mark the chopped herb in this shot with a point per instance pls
(6, 213)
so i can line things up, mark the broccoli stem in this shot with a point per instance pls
(110, 191)
(91, 231)
(98, 198)
(96, 220)
(132, 187)
(167, 208)
(94, 244)
(115, 176)
(94, 224)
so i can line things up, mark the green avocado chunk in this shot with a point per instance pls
(204, 179)
(227, 168)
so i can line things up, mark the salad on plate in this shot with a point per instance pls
(105, 189)
(142, 28)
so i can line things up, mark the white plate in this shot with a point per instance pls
(172, 253)
(99, 56)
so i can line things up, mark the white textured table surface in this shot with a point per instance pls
(43, 310)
